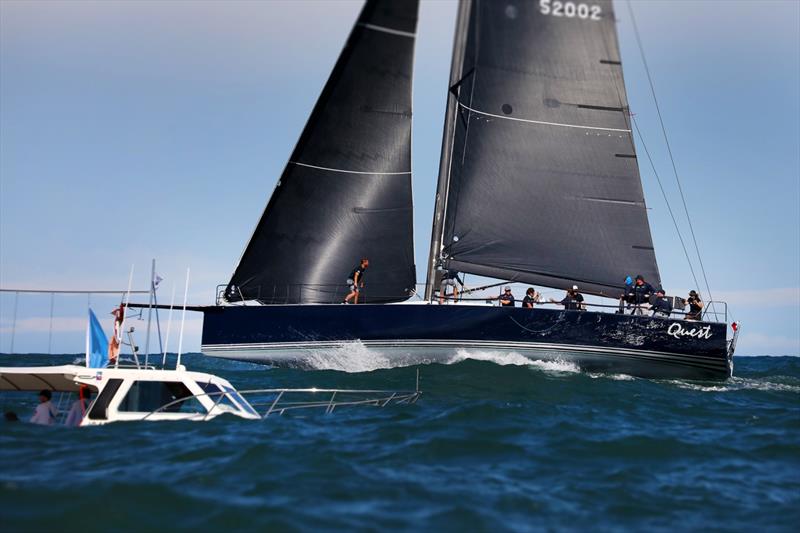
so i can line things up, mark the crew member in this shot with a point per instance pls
(695, 306)
(662, 306)
(506, 298)
(356, 281)
(572, 301)
(449, 279)
(641, 294)
(531, 297)
(626, 296)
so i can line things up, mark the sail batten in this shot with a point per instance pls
(539, 171)
(345, 193)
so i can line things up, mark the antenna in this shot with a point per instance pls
(169, 325)
(150, 312)
(183, 320)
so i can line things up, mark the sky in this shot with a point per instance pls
(136, 130)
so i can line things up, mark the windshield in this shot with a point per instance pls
(245, 405)
(217, 396)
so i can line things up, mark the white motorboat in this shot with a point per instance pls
(107, 389)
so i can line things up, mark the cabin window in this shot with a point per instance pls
(100, 408)
(149, 396)
(214, 394)
(245, 405)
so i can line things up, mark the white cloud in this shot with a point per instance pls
(41, 324)
(757, 343)
(192, 331)
(780, 297)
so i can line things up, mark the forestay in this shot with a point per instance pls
(346, 190)
(539, 181)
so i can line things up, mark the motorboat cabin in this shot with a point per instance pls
(131, 394)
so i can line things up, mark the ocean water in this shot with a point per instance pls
(495, 443)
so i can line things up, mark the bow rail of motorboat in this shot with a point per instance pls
(269, 402)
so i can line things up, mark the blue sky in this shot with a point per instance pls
(133, 130)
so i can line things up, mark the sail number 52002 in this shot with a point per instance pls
(569, 9)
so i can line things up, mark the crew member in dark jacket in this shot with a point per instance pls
(641, 294)
(695, 306)
(506, 299)
(531, 297)
(572, 301)
(661, 305)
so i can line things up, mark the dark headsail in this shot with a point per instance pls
(346, 191)
(539, 181)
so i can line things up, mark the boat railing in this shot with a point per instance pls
(269, 402)
(714, 310)
(306, 293)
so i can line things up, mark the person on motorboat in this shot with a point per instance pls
(531, 297)
(695, 306)
(78, 408)
(116, 338)
(45, 413)
(449, 279)
(356, 281)
(662, 306)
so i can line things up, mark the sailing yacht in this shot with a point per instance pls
(537, 119)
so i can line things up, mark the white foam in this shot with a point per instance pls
(737, 384)
(615, 377)
(555, 365)
(513, 358)
(356, 357)
(350, 357)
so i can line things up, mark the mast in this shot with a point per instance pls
(459, 43)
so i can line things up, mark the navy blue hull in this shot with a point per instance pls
(636, 345)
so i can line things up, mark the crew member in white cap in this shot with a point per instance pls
(506, 298)
(572, 301)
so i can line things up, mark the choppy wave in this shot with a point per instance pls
(495, 442)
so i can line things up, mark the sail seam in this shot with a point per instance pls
(610, 201)
(384, 29)
(541, 121)
(349, 171)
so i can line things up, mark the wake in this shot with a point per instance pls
(355, 357)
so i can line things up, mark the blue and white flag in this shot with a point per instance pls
(96, 343)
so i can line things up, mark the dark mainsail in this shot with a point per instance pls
(346, 191)
(539, 181)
